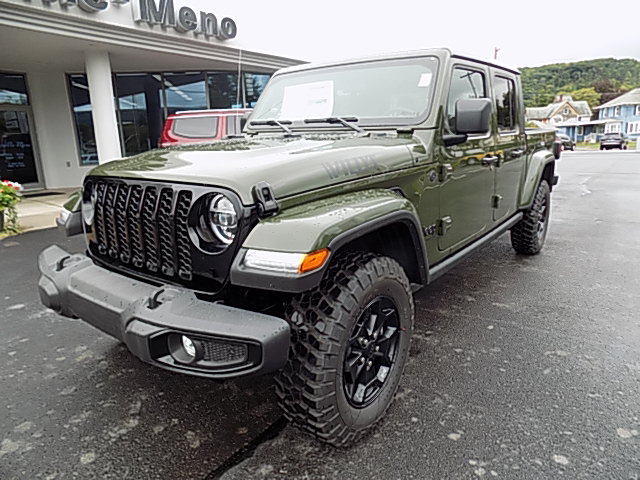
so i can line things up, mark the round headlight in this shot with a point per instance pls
(223, 218)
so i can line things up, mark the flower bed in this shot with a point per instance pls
(9, 198)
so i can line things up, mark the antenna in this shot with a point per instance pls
(495, 53)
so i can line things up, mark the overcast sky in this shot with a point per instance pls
(531, 33)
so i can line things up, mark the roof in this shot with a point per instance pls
(438, 52)
(630, 98)
(541, 113)
(583, 123)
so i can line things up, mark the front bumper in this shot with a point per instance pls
(151, 319)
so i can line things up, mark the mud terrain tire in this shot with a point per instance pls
(350, 342)
(528, 235)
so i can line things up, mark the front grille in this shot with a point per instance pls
(224, 352)
(143, 227)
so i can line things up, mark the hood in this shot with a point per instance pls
(291, 165)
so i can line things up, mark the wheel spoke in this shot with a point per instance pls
(374, 317)
(371, 352)
(353, 366)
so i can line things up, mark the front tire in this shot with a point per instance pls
(350, 342)
(529, 234)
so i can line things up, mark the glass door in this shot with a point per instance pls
(18, 160)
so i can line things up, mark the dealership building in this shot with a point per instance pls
(83, 82)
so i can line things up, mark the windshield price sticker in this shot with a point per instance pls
(425, 79)
(309, 100)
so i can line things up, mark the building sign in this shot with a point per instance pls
(163, 13)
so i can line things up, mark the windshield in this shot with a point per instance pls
(383, 92)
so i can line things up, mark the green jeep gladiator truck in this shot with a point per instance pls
(297, 246)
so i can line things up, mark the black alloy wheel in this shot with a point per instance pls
(371, 352)
(543, 218)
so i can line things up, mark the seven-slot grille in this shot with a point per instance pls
(143, 226)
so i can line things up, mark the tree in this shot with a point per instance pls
(589, 95)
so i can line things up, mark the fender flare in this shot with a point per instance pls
(535, 169)
(328, 223)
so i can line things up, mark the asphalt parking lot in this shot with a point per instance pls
(520, 368)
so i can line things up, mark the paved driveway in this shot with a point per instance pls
(521, 368)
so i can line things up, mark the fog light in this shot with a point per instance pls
(189, 347)
(185, 349)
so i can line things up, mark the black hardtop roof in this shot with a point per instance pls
(439, 52)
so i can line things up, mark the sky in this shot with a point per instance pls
(532, 33)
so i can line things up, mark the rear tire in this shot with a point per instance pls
(350, 342)
(529, 234)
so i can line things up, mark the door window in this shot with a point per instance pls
(465, 83)
(505, 91)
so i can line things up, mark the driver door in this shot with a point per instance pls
(466, 180)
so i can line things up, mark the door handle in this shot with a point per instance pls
(490, 160)
(516, 153)
(445, 171)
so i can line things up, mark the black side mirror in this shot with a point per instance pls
(473, 116)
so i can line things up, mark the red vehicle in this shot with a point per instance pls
(197, 126)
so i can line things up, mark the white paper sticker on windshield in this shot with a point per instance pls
(425, 79)
(310, 100)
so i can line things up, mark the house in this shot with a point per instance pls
(564, 109)
(622, 114)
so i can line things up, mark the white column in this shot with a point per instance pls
(103, 110)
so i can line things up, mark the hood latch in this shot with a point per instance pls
(265, 199)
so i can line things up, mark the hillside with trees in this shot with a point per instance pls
(596, 81)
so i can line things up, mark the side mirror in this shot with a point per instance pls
(473, 116)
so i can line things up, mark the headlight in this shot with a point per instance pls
(284, 262)
(219, 224)
(88, 207)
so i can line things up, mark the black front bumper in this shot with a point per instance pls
(151, 320)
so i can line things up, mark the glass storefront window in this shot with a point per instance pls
(13, 89)
(184, 91)
(223, 90)
(81, 107)
(140, 116)
(144, 100)
(254, 84)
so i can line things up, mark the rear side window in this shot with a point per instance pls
(196, 127)
(505, 91)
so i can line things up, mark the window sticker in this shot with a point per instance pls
(309, 100)
(425, 79)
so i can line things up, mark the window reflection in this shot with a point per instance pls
(184, 91)
(139, 113)
(254, 84)
(144, 100)
(13, 89)
(81, 106)
(223, 90)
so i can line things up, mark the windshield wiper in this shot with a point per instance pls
(341, 120)
(273, 123)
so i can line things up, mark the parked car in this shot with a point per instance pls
(567, 143)
(298, 247)
(197, 126)
(613, 140)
